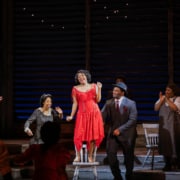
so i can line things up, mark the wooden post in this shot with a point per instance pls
(6, 123)
(87, 35)
(170, 43)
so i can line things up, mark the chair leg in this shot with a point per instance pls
(76, 173)
(95, 173)
(152, 163)
(147, 155)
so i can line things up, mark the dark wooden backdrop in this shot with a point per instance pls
(43, 44)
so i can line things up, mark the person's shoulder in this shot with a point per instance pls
(93, 85)
(37, 109)
(109, 101)
(129, 100)
(178, 97)
(76, 87)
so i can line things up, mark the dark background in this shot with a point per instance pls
(44, 43)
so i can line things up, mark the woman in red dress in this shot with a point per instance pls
(50, 158)
(89, 123)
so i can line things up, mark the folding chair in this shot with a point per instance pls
(84, 162)
(152, 140)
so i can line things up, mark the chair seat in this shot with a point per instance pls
(151, 146)
(84, 162)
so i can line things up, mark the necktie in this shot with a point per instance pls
(117, 105)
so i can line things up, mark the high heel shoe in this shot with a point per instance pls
(77, 159)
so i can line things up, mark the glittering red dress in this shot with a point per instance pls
(89, 122)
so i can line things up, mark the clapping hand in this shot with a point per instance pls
(161, 96)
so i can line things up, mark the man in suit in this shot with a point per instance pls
(122, 114)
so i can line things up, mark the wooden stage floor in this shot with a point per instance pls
(104, 173)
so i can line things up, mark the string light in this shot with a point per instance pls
(116, 11)
(107, 17)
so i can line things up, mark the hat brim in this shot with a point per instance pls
(115, 85)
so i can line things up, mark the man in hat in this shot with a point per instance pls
(122, 114)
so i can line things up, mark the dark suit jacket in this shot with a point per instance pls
(124, 120)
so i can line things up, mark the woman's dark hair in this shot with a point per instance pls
(50, 133)
(86, 73)
(174, 88)
(43, 98)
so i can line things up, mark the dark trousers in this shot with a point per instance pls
(113, 144)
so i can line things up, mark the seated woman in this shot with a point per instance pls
(50, 158)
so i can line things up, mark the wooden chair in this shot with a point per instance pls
(84, 162)
(152, 140)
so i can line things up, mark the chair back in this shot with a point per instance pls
(151, 135)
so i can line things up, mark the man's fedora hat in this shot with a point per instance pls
(121, 85)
